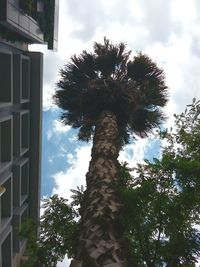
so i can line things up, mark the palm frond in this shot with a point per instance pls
(86, 131)
(108, 80)
(150, 80)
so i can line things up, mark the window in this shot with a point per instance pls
(24, 179)
(21, 132)
(6, 78)
(21, 182)
(5, 142)
(25, 90)
(6, 251)
(21, 78)
(19, 218)
(25, 131)
(23, 218)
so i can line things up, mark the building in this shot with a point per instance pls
(22, 22)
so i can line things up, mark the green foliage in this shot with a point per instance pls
(124, 176)
(29, 231)
(57, 233)
(162, 205)
(107, 79)
(46, 21)
(77, 197)
(57, 228)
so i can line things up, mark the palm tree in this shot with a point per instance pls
(109, 98)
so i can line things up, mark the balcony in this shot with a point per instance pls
(13, 17)
(32, 21)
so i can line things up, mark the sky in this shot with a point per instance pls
(168, 31)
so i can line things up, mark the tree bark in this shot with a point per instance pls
(100, 237)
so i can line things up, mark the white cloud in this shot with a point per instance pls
(72, 139)
(70, 158)
(134, 153)
(60, 127)
(48, 93)
(167, 30)
(75, 175)
(57, 128)
(183, 12)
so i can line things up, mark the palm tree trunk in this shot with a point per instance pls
(100, 237)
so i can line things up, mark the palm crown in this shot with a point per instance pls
(107, 79)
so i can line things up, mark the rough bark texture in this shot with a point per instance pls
(100, 244)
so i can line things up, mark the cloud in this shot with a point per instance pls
(168, 28)
(140, 22)
(57, 128)
(93, 20)
(101, 15)
(48, 93)
(134, 153)
(72, 139)
(70, 158)
(184, 13)
(73, 176)
(157, 19)
(78, 162)
(163, 29)
(88, 16)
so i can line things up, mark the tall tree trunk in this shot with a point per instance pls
(100, 237)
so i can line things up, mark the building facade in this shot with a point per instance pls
(22, 22)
